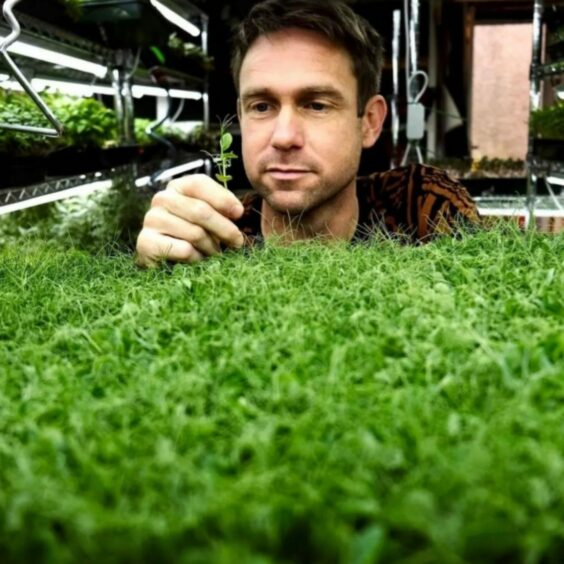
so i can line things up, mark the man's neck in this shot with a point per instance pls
(335, 219)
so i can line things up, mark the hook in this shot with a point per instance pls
(57, 129)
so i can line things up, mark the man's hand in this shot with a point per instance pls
(188, 221)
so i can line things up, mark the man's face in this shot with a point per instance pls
(301, 135)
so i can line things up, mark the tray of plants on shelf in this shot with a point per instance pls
(554, 16)
(126, 23)
(89, 142)
(547, 127)
(486, 175)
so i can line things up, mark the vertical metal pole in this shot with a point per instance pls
(433, 71)
(123, 97)
(414, 25)
(534, 104)
(206, 93)
(395, 76)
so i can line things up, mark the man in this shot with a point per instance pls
(307, 73)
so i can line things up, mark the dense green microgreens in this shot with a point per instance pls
(310, 403)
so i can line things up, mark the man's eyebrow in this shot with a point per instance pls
(323, 91)
(304, 93)
(256, 93)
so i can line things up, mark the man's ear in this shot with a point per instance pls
(239, 109)
(373, 119)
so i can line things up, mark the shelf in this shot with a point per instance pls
(47, 36)
(545, 167)
(13, 199)
(550, 69)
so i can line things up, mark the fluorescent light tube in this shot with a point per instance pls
(518, 212)
(176, 19)
(56, 58)
(142, 182)
(139, 91)
(186, 94)
(555, 180)
(165, 175)
(72, 88)
(83, 190)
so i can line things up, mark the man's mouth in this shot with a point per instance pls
(287, 173)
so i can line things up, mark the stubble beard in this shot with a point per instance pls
(313, 198)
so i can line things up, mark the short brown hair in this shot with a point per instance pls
(331, 18)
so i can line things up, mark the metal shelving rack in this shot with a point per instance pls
(122, 75)
(538, 167)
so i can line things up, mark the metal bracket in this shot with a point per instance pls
(57, 129)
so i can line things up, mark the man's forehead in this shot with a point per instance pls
(302, 57)
(297, 44)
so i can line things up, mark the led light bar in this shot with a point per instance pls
(176, 19)
(82, 190)
(139, 91)
(555, 180)
(72, 88)
(54, 57)
(518, 212)
(186, 94)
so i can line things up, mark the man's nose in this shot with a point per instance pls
(288, 130)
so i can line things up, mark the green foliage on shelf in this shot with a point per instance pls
(110, 218)
(198, 139)
(548, 123)
(169, 132)
(311, 403)
(73, 8)
(87, 123)
(17, 108)
(486, 167)
(191, 52)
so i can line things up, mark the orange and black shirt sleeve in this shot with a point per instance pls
(413, 203)
(416, 202)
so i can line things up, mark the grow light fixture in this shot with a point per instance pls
(139, 91)
(176, 19)
(72, 88)
(55, 58)
(82, 190)
(558, 180)
(167, 174)
(171, 172)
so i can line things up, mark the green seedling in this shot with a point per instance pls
(225, 156)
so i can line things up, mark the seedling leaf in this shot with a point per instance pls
(226, 141)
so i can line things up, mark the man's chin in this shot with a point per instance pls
(290, 203)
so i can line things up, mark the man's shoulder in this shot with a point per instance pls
(418, 198)
(414, 176)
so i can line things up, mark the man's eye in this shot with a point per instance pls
(317, 106)
(260, 107)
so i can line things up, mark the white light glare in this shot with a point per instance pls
(72, 88)
(56, 58)
(176, 19)
(61, 195)
(139, 91)
(555, 180)
(180, 169)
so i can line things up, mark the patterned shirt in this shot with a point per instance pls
(412, 203)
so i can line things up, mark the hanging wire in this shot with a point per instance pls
(15, 33)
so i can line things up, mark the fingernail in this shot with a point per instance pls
(236, 210)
